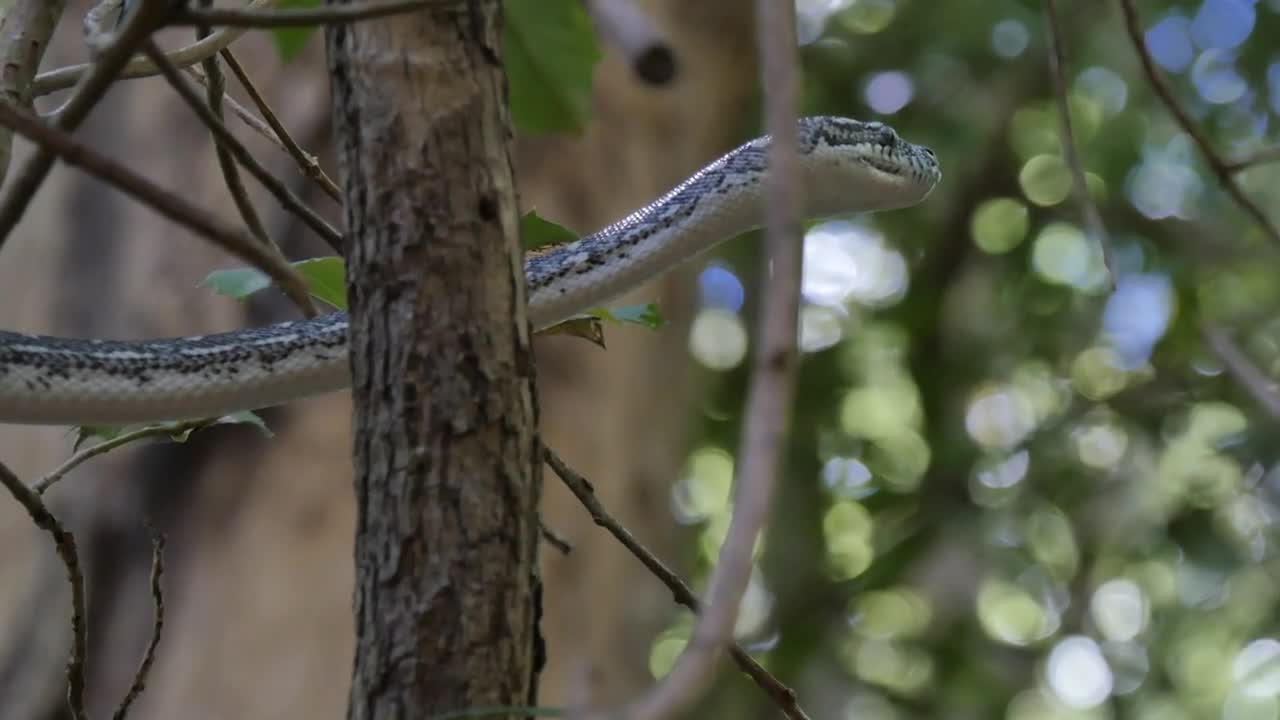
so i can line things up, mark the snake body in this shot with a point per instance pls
(846, 166)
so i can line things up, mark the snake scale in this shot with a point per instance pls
(845, 166)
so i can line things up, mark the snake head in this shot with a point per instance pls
(854, 166)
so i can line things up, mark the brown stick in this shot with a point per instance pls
(1220, 168)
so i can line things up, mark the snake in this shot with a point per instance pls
(844, 166)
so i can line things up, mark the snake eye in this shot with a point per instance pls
(886, 136)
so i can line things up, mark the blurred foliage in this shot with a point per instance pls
(1012, 491)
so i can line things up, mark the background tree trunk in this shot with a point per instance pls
(446, 455)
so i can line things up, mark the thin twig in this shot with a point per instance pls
(327, 15)
(306, 161)
(215, 90)
(622, 25)
(1267, 155)
(782, 696)
(157, 626)
(146, 17)
(1220, 168)
(80, 457)
(1253, 380)
(65, 544)
(311, 167)
(554, 539)
(25, 29)
(227, 237)
(65, 77)
(772, 388)
(1093, 221)
(224, 137)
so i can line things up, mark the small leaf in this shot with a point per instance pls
(291, 41)
(537, 232)
(323, 276)
(645, 315)
(179, 431)
(550, 54)
(239, 283)
(325, 281)
(246, 417)
(582, 326)
(100, 433)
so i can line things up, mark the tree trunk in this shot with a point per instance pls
(447, 480)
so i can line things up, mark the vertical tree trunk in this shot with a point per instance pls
(446, 477)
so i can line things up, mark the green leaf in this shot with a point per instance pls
(246, 417)
(291, 41)
(239, 283)
(324, 278)
(645, 315)
(550, 55)
(179, 431)
(100, 433)
(537, 232)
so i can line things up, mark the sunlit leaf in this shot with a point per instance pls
(239, 283)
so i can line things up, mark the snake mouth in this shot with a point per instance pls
(884, 166)
(903, 168)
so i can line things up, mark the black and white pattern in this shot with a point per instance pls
(846, 166)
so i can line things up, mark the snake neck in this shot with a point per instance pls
(720, 202)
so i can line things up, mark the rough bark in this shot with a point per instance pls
(447, 481)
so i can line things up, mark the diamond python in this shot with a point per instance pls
(845, 166)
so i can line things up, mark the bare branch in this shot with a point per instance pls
(1262, 388)
(1269, 155)
(1093, 221)
(65, 77)
(80, 457)
(215, 90)
(327, 15)
(1221, 169)
(157, 626)
(782, 696)
(772, 388)
(306, 161)
(65, 544)
(224, 137)
(622, 25)
(232, 239)
(310, 165)
(25, 29)
(145, 18)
